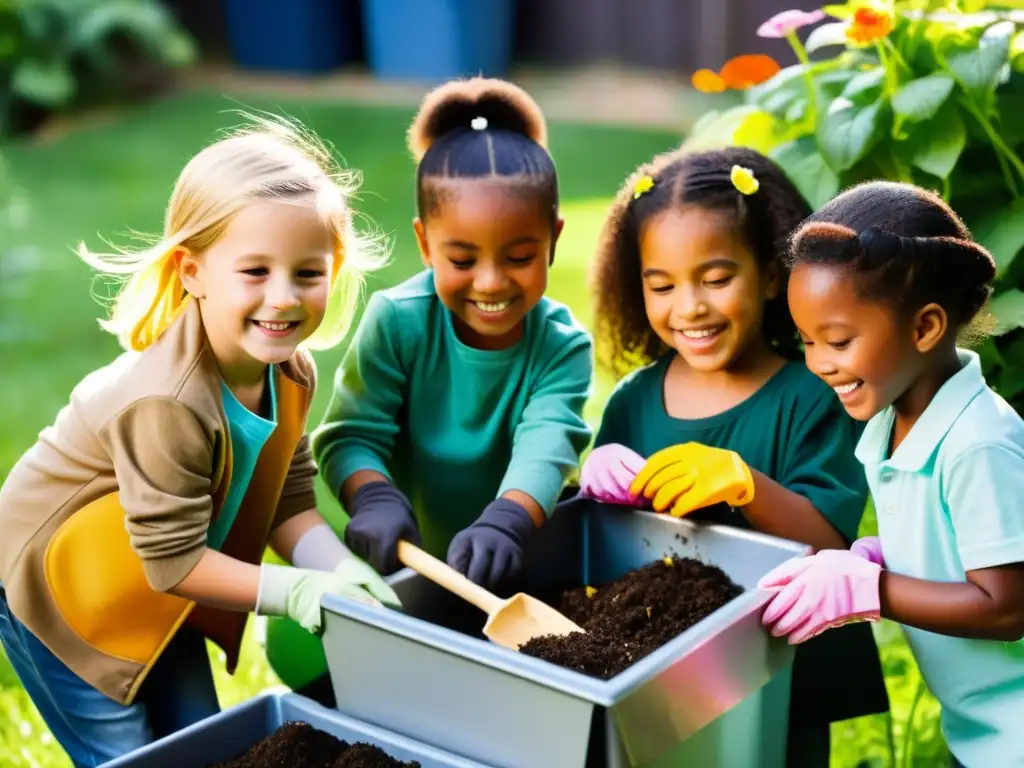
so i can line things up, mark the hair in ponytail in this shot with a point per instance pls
(478, 128)
(904, 245)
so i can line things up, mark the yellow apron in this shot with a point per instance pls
(97, 580)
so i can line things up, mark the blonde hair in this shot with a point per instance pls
(271, 158)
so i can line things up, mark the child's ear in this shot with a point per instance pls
(190, 271)
(421, 240)
(559, 224)
(930, 325)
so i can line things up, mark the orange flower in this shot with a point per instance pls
(739, 73)
(869, 25)
(706, 81)
(748, 70)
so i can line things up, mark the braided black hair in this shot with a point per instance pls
(765, 220)
(905, 246)
(481, 127)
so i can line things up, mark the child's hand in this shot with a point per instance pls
(870, 548)
(296, 592)
(686, 477)
(608, 472)
(491, 549)
(813, 594)
(380, 517)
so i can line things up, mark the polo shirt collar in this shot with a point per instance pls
(944, 409)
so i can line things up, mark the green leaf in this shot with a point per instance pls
(718, 132)
(1016, 51)
(807, 169)
(920, 99)
(49, 83)
(939, 142)
(865, 87)
(1008, 310)
(832, 82)
(824, 35)
(978, 68)
(847, 132)
(776, 94)
(1002, 232)
(838, 10)
(797, 111)
(760, 131)
(755, 131)
(704, 122)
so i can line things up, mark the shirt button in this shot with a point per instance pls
(886, 477)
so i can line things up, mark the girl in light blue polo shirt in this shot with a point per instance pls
(884, 278)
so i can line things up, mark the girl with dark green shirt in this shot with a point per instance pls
(716, 416)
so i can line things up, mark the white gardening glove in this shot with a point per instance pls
(296, 592)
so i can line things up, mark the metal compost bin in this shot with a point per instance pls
(228, 734)
(716, 695)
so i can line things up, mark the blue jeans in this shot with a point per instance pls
(93, 728)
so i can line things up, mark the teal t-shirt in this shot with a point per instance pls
(249, 432)
(949, 502)
(455, 427)
(795, 431)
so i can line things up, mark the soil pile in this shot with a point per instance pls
(300, 745)
(633, 616)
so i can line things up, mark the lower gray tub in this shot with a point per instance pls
(228, 734)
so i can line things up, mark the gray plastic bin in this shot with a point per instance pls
(228, 734)
(717, 695)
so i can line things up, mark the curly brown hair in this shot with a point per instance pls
(766, 220)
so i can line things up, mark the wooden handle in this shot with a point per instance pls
(443, 574)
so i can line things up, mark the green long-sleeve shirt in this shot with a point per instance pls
(455, 427)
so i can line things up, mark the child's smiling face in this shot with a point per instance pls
(488, 243)
(704, 292)
(263, 284)
(858, 347)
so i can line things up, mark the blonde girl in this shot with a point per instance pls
(134, 528)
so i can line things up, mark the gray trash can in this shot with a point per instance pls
(228, 734)
(717, 695)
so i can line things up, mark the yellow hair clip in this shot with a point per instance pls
(744, 180)
(643, 185)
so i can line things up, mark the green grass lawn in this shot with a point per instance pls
(105, 181)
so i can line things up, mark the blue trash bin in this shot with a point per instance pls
(301, 36)
(437, 40)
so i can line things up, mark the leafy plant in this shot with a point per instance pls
(923, 91)
(53, 52)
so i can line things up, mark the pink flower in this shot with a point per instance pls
(782, 24)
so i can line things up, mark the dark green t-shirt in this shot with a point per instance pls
(795, 431)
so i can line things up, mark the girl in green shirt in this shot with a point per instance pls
(718, 417)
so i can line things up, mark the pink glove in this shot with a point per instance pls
(608, 472)
(870, 548)
(816, 593)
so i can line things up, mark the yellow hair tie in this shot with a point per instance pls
(643, 185)
(744, 180)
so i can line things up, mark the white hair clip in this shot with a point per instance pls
(478, 123)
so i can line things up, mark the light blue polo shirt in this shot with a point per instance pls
(249, 432)
(951, 499)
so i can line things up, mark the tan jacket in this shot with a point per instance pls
(110, 508)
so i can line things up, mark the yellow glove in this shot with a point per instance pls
(682, 478)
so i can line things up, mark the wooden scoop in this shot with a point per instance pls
(510, 623)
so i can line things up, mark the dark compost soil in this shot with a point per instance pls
(633, 616)
(300, 745)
